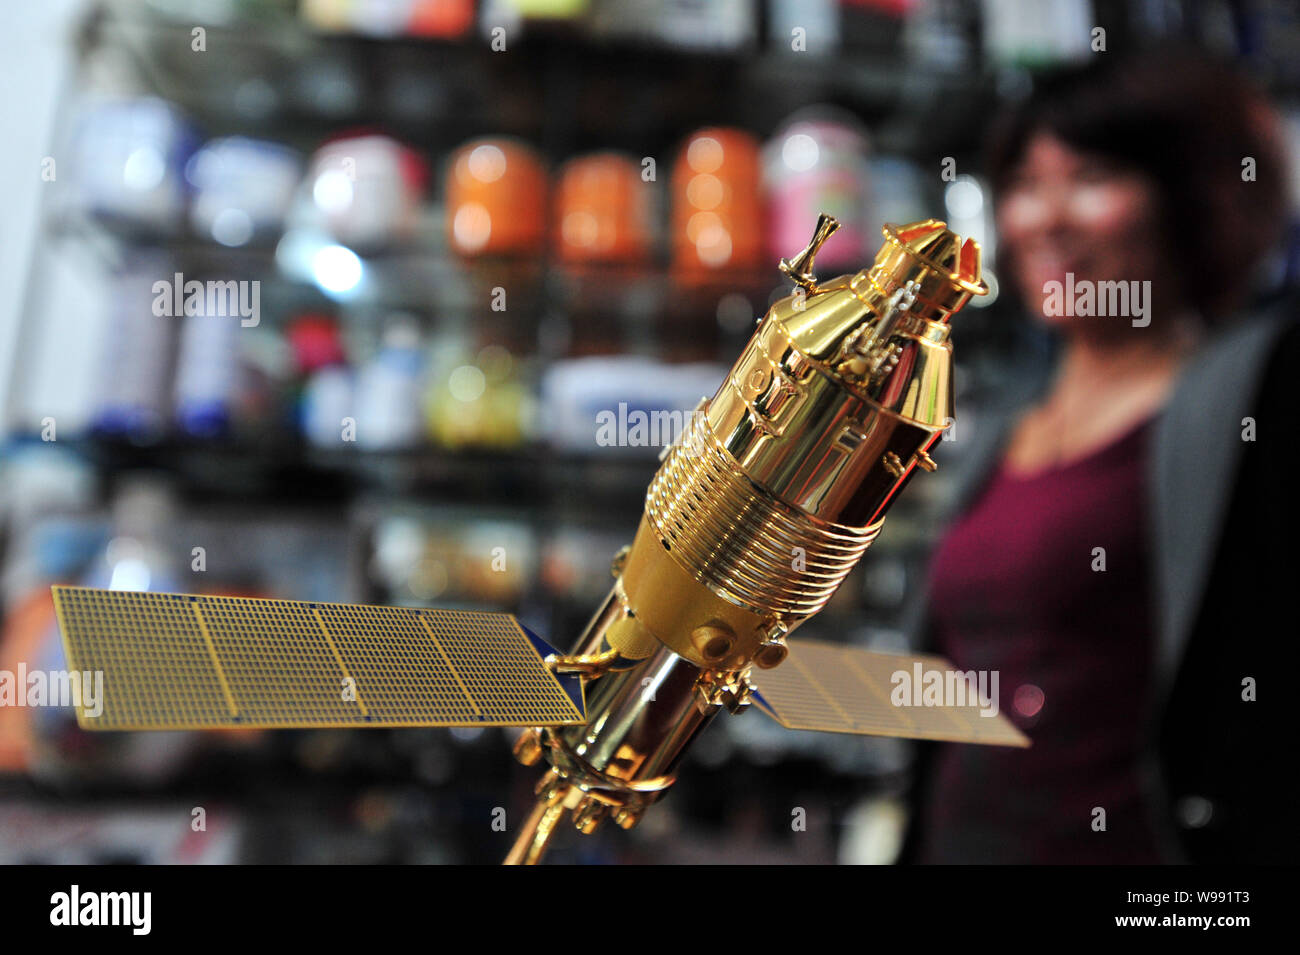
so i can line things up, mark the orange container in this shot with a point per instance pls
(717, 205)
(602, 211)
(496, 199)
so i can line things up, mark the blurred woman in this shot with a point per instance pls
(1120, 557)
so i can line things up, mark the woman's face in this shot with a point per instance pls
(1064, 211)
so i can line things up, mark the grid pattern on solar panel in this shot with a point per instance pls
(156, 665)
(176, 661)
(277, 660)
(479, 650)
(794, 695)
(397, 666)
(839, 689)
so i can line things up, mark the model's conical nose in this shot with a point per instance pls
(932, 242)
(945, 267)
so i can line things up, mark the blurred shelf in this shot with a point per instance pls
(556, 85)
(421, 277)
(282, 468)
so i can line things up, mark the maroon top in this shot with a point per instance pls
(1013, 590)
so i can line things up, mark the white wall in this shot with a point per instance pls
(36, 58)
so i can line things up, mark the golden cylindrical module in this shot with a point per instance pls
(770, 496)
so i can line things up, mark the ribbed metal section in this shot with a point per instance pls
(739, 540)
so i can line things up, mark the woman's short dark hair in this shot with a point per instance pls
(1189, 123)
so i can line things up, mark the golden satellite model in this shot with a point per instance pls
(764, 504)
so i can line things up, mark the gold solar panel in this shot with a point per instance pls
(844, 689)
(181, 661)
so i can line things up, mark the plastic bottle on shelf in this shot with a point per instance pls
(716, 206)
(207, 375)
(133, 382)
(128, 160)
(389, 388)
(496, 197)
(818, 162)
(367, 190)
(478, 395)
(243, 188)
(602, 211)
(327, 407)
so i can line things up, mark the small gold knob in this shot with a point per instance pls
(551, 788)
(925, 462)
(771, 654)
(800, 268)
(893, 464)
(772, 651)
(528, 747)
(626, 818)
(588, 814)
(714, 643)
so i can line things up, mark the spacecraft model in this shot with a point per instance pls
(759, 510)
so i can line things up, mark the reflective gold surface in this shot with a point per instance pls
(758, 513)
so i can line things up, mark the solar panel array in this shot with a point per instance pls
(183, 661)
(845, 689)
